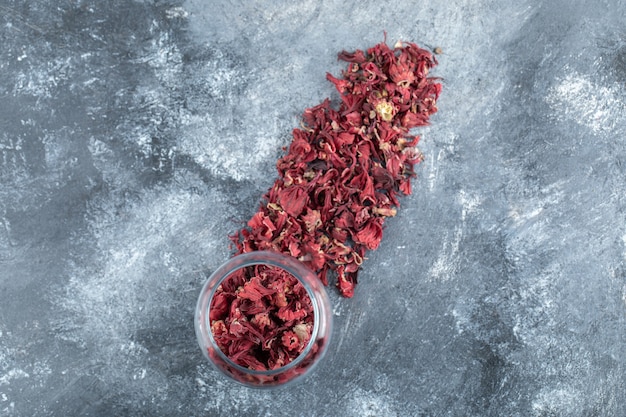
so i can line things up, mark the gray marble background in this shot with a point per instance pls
(136, 135)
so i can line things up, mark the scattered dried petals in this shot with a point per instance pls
(346, 167)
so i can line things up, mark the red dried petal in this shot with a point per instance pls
(288, 315)
(357, 56)
(294, 248)
(239, 347)
(277, 358)
(371, 234)
(338, 234)
(218, 328)
(411, 120)
(345, 220)
(254, 290)
(262, 321)
(394, 166)
(293, 199)
(382, 178)
(345, 283)
(236, 328)
(405, 187)
(402, 71)
(312, 220)
(341, 85)
(354, 118)
(219, 306)
(313, 255)
(323, 274)
(344, 138)
(250, 308)
(363, 183)
(362, 216)
(280, 299)
(256, 220)
(301, 150)
(373, 71)
(290, 340)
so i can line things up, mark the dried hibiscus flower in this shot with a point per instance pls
(261, 317)
(344, 171)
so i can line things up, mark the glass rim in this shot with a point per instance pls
(288, 263)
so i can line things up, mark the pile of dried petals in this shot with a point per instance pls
(346, 167)
(261, 317)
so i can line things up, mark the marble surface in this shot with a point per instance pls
(135, 136)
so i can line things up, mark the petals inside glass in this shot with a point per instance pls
(263, 319)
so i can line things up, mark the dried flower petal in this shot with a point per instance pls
(262, 320)
(236, 328)
(293, 199)
(345, 283)
(290, 340)
(253, 290)
(371, 234)
(288, 315)
(220, 306)
(312, 220)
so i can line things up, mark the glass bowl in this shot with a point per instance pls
(313, 351)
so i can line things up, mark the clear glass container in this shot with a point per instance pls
(312, 352)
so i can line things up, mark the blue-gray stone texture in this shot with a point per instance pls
(135, 136)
